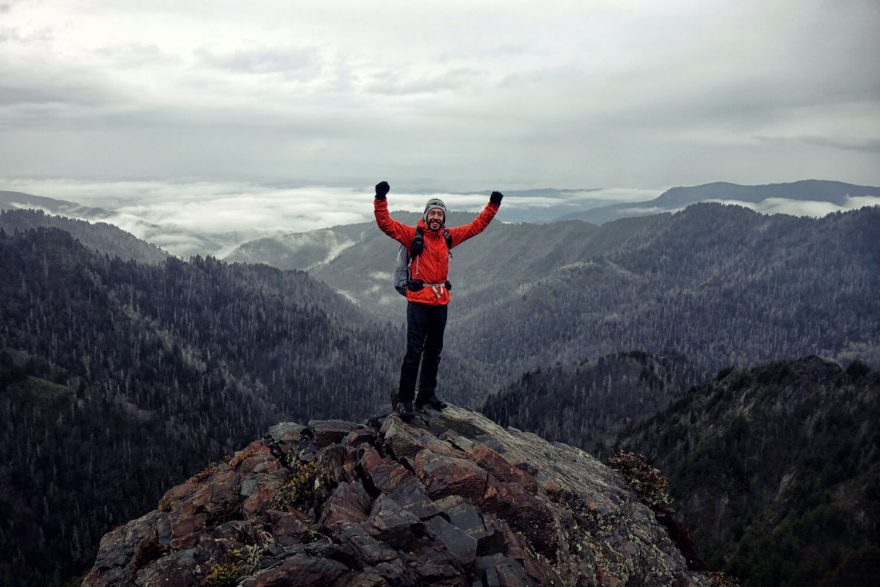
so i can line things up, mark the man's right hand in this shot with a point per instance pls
(382, 189)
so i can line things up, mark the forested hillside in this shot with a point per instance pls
(100, 236)
(21, 201)
(587, 404)
(776, 470)
(119, 379)
(720, 284)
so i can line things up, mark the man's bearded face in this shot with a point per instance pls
(435, 218)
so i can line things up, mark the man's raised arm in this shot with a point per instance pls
(399, 232)
(462, 233)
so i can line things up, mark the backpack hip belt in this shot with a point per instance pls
(437, 287)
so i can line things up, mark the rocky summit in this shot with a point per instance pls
(452, 499)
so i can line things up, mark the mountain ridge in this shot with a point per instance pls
(101, 236)
(20, 200)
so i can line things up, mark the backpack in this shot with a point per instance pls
(401, 269)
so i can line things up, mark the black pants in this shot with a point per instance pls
(424, 340)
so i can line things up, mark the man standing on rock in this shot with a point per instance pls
(427, 291)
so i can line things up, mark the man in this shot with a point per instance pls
(427, 292)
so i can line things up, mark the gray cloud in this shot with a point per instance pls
(287, 61)
(6, 7)
(865, 146)
(137, 55)
(390, 82)
(62, 91)
(473, 95)
(30, 37)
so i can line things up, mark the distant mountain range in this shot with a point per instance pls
(307, 250)
(311, 249)
(833, 192)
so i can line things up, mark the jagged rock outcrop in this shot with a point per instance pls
(454, 500)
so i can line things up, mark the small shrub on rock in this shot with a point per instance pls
(647, 481)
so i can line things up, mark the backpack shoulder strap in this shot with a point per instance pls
(418, 243)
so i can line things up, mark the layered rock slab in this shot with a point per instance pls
(453, 499)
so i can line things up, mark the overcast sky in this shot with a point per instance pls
(451, 95)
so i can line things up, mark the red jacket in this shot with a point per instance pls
(432, 265)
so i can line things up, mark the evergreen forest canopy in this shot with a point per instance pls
(119, 379)
(99, 236)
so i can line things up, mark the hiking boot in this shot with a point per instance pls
(431, 402)
(405, 411)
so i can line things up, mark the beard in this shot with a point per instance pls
(434, 225)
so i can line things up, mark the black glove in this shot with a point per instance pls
(382, 189)
(415, 284)
(495, 198)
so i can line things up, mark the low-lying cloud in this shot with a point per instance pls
(208, 217)
(202, 217)
(218, 207)
(811, 208)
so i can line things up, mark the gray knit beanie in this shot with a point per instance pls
(435, 203)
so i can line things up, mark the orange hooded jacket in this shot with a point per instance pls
(432, 265)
